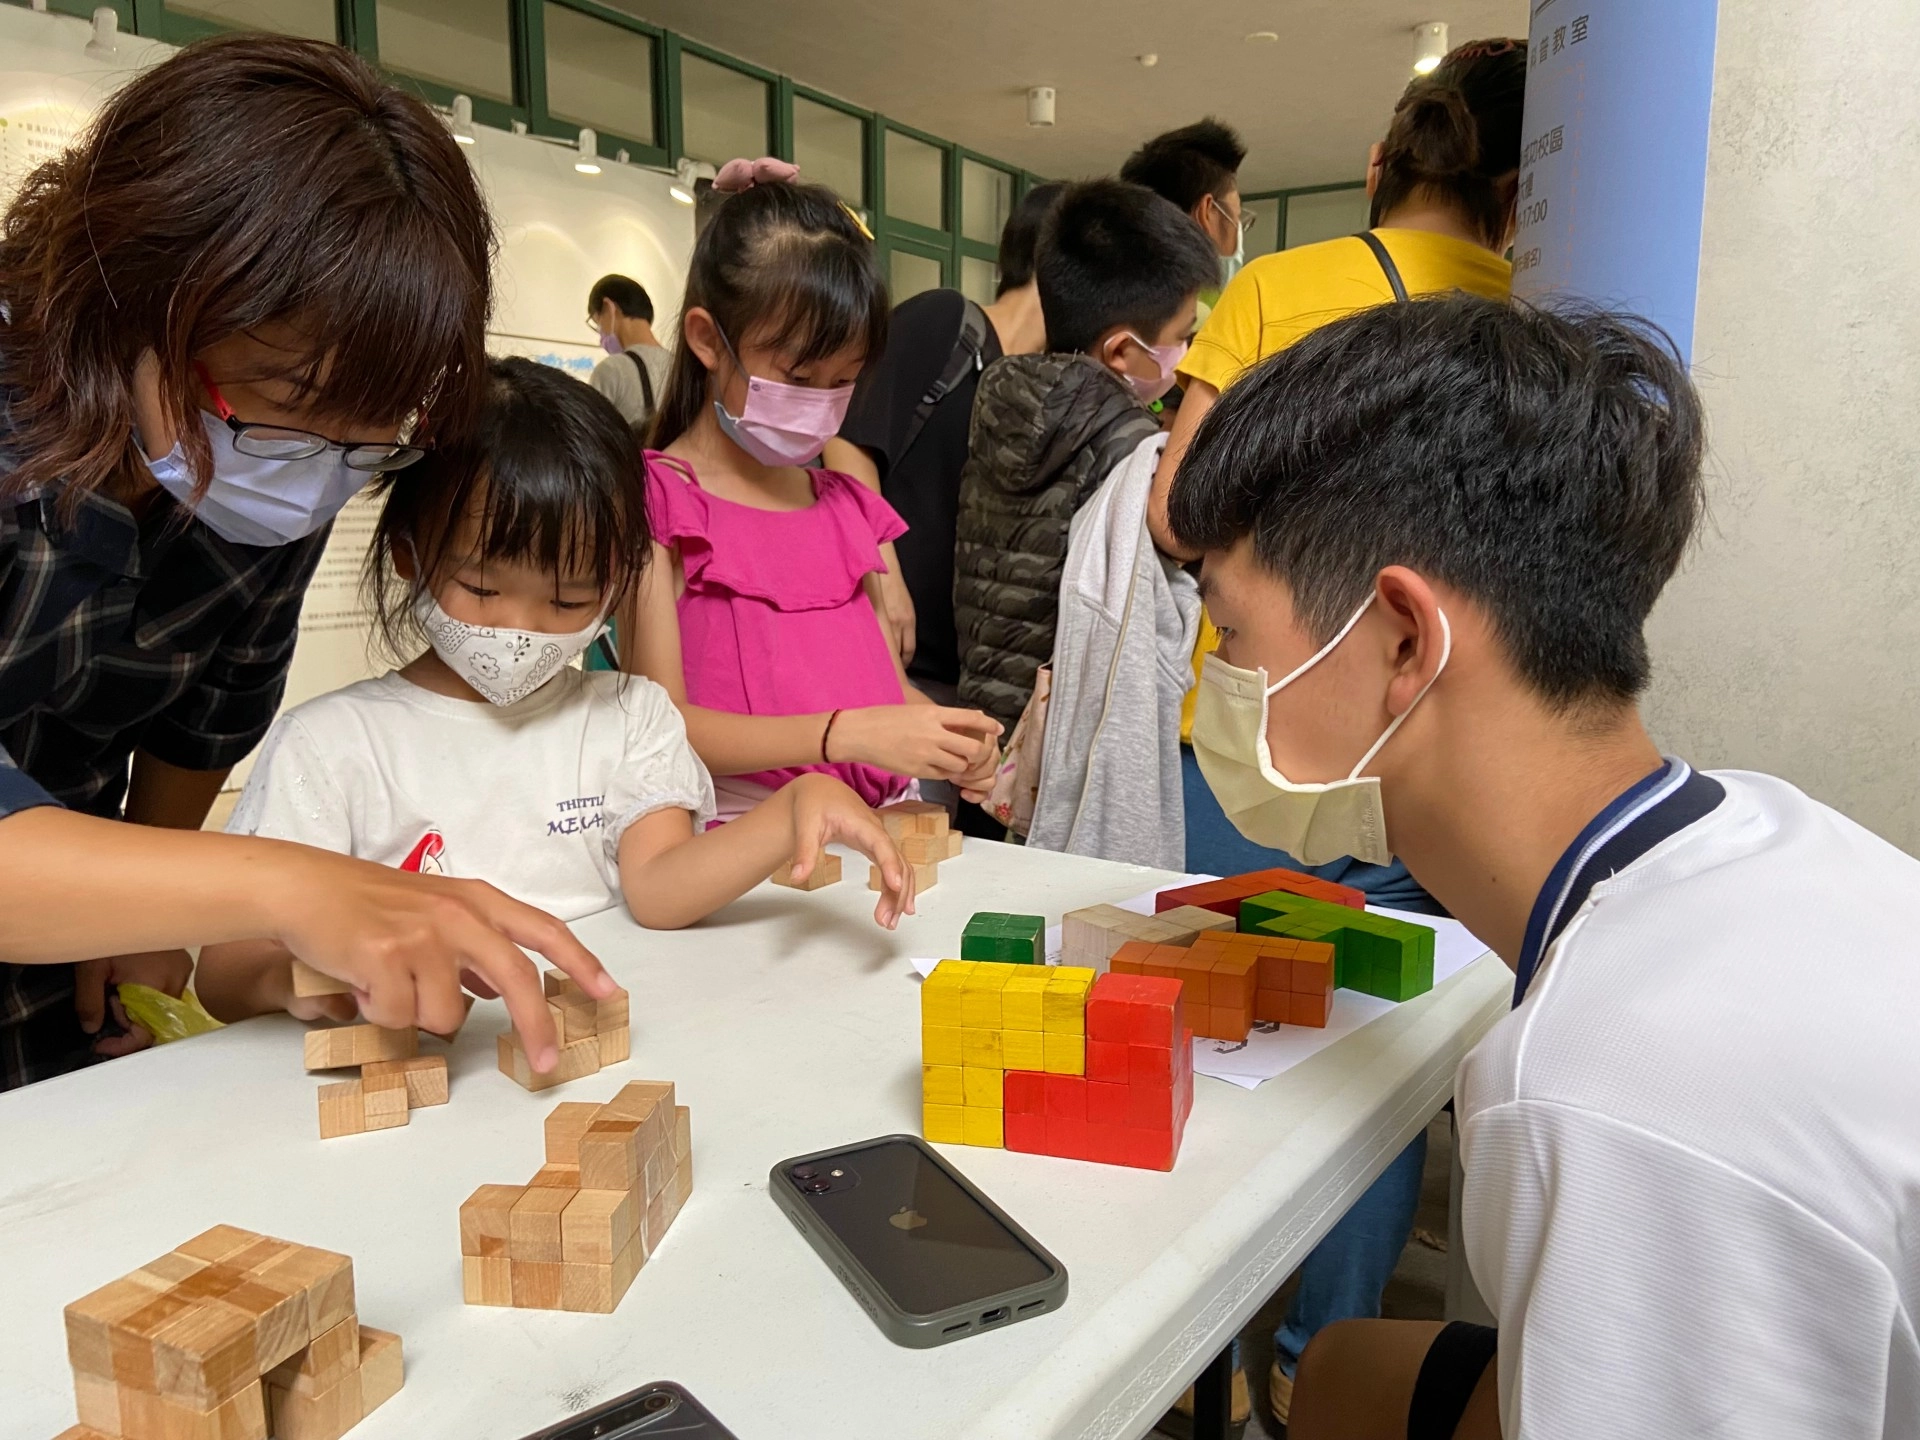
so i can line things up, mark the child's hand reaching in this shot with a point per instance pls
(928, 742)
(825, 810)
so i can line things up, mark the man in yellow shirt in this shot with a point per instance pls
(1443, 185)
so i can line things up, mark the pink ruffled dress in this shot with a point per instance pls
(774, 619)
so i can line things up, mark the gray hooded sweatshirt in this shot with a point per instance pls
(1122, 663)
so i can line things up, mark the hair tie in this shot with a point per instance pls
(738, 175)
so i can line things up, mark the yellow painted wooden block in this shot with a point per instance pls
(1022, 1050)
(981, 1088)
(983, 1049)
(940, 995)
(1022, 1006)
(940, 1044)
(980, 1009)
(1063, 1012)
(942, 1085)
(981, 1127)
(988, 974)
(943, 1124)
(1066, 1054)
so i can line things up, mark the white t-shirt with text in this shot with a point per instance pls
(532, 797)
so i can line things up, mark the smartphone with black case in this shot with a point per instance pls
(927, 1255)
(662, 1411)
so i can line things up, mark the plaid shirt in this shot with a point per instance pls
(120, 632)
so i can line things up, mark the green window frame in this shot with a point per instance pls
(1283, 196)
(357, 27)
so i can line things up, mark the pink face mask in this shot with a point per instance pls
(1168, 358)
(783, 424)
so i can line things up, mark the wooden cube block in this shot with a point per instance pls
(980, 1126)
(323, 1277)
(954, 838)
(580, 1058)
(86, 1432)
(308, 982)
(1065, 1054)
(566, 1123)
(552, 1176)
(610, 1154)
(385, 1095)
(943, 1124)
(533, 1227)
(597, 1288)
(320, 1414)
(537, 1284)
(615, 1045)
(486, 1279)
(639, 1100)
(320, 1365)
(913, 817)
(682, 1133)
(425, 1078)
(382, 1368)
(343, 1110)
(925, 877)
(332, 1047)
(1186, 923)
(826, 871)
(597, 1225)
(485, 1228)
(145, 1415)
(277, 1310)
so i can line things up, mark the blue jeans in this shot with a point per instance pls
(1343, 1277)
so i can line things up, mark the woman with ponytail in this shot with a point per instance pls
(1442, 186)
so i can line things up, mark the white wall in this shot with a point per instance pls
(1791, 640)
(559, 232)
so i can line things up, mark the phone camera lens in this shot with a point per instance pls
(804, 1172)
(656, 1402)
(817, 1186)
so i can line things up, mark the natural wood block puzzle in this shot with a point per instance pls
(425, 1077)
(308, 982)
(826, 871)
(214, 1340)
(575, 1237)
(592, 1034)
(335, 1047)
(925, 877)
(913, 817)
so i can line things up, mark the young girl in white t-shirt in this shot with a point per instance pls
(490, 756)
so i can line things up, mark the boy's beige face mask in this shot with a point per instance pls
(1314, 823)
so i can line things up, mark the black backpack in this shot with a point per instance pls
(968, 351)
(646, 389)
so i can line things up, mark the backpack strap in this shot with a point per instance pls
(646, 380)
(1386, 263)
(967, 352)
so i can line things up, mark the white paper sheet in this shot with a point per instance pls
(1270, 1049)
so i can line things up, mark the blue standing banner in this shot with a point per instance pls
(1613, 164)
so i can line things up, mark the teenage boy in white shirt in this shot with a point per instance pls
(1692, 1150)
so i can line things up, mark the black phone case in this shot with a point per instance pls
(917, 1329)
(685, 1418)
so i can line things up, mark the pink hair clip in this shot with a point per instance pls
(738, 175)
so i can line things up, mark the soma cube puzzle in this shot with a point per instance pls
(1224, 895)
(1090, 936)
(232, 1336)
(1056, 1061)
(592, 1033)
(575, 1235)
(1230, 981)
(1374, 954)
(1013, 939)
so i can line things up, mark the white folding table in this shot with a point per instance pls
(790, 1023)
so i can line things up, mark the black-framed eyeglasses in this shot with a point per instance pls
(281, 442)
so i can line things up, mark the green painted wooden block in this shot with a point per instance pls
(1373, 954)
(1010, 939)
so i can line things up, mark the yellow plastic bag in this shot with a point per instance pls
(164, 1017)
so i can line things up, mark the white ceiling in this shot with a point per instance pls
(1307, 104)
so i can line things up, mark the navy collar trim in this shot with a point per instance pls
(1662, 804)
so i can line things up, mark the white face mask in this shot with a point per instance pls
(1313, 823)
(503, 665)
(254, 501)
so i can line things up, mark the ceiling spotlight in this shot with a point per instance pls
(461, 119)
(1429, 46)
(589, 146)
(106, 32)
(1040, 106)
(1147, 62)
(686, 175)
(1262, 37)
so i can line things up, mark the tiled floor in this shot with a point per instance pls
(1417, 1290)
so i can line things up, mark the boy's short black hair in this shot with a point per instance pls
(1117, 254)
(1183, 165)
(1546, 464)
(551, 475)
(1020, 236)
(629, 297)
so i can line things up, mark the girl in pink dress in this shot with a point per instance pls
(759, 616)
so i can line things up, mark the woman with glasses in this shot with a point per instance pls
(257, 285)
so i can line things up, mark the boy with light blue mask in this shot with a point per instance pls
(1442, 525)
